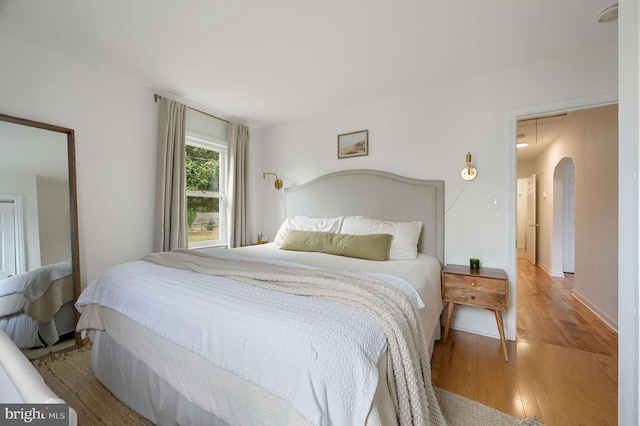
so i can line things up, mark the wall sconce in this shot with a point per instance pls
(277, 183)
(469, 172)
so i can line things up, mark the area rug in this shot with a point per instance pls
(70, 376)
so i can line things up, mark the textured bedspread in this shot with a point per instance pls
(318, 355)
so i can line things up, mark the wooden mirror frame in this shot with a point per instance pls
(73, 202)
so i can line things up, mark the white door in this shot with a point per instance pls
(7, 240)
(569, 219)
(532, 225)
(521, 217)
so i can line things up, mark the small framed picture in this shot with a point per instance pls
(354, 144)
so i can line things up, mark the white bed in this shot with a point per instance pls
(169, 378)
(36, 307)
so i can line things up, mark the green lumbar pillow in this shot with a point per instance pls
(371, 246)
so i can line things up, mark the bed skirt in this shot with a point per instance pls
(132, 382)
(27, 332)
(240, 402)
(149, 386)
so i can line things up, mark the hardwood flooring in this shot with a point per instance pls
(563, 368)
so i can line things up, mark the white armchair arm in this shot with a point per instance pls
(20, 382)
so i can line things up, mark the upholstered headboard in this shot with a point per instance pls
(376, 194)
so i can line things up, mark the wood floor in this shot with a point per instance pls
(563, 367)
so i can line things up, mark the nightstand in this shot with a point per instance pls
(484, 288)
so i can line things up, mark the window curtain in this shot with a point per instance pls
(237, 213)
(171, 203)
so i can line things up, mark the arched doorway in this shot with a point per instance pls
(563, 230)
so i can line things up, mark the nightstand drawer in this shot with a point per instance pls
(452, 281)
(468, 295)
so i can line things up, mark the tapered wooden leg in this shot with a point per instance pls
(447, 324)
(501, 330)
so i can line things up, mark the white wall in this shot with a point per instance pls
(426, 134)
(54, 223)
(115, 122)
(629, 214)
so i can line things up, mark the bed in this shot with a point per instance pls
(36, 307)
(231, 350)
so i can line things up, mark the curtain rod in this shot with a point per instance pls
(156, 97)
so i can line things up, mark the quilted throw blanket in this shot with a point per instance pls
(409, 374)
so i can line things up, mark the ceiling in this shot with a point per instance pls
(267, 62)
(539, 133)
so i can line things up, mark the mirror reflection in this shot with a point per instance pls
(37, 236)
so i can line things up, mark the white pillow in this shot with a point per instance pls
(405, 234)
(304, 223)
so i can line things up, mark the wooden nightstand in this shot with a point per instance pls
(485, 288)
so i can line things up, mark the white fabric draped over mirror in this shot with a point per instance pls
(171, 230)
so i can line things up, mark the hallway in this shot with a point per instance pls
(563, 368)
(547, 313)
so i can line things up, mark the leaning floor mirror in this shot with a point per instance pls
(39, 257)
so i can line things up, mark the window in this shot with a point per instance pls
(206, 187)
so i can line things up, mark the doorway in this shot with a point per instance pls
(576, 176)
(564, 218)
(526, 219)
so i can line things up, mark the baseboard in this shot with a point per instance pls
(593, 308)
(474, 320)
(551, 273)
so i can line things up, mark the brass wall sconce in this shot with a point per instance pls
(469, 172)
(277, 184)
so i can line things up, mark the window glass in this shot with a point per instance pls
(204, 167)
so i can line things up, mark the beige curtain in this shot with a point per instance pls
(171, 217)
(237, 213)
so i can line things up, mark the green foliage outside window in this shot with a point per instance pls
(202, 167)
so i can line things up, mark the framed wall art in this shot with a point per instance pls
(354, 144)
